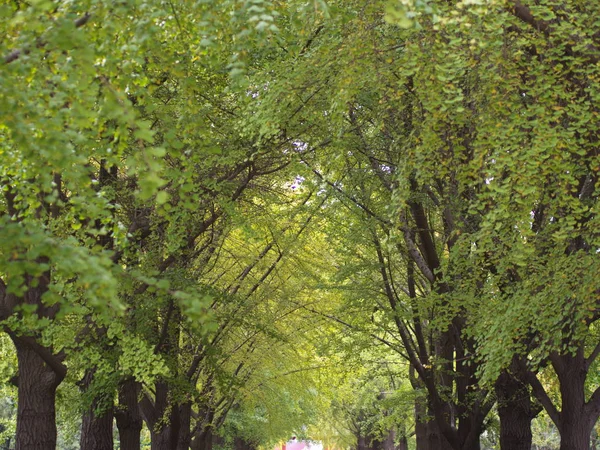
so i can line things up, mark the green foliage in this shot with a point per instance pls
(233, 187)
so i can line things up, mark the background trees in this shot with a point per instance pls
(206, 204)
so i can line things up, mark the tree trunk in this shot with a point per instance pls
(427, 432)
(36, 413)
(421, 424)
(162, 418)
(161, 440)
(514, 411)
(97, 430)
(166, 437)
(242, 444)
(184, 437)
(129, 419)
(403, 443)
(388, 443)
(203, 439)
(97, 420)
(576, 436)
(361, 443)
(434, 437)
(576, 418)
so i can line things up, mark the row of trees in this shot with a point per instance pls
(203, 200)
(462, 148)
(140, 263)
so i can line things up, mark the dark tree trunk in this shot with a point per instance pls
(166, 437)
(427, 432)
(374, 443)
(421, 435)
(576, 436)
(97, 430)
(164, 431)
(129, 419)
(217, 440)
(577, 418)
(161, 440)
(361, 443)
(403, 443)
(185, 418)
(576, 426)
(514, 410)
(242, 444)
(388, 443)
(435, 440)
(97, 420)
(36, 413)
(203, 439)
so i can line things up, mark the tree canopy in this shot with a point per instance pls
(227, 223)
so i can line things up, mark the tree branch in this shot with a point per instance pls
(590, 359)
(16, 54)
(414, 251)
(53, 361)
(540, 393)
(523, 13)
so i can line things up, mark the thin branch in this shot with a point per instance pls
(590, 359)
(414, 251)
(523, 13)
(354, 328)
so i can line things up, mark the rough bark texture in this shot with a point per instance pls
(576, 436)
(36, 413)
(165, 437)
(161, 440)
(97, 420)
(381, 443)
(434, 438)
(577, 418)
(428, 435)
(129, 419)
(515, 412)
(421, 424)
(184, 437)
(203, 439)
(388, 443)
(97, 430)
(169, 423)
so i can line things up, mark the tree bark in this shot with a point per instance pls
(514, 410)
(203, 439)
(97, 430)
(97, 420)
(184, 437)
(388, 443)
(434, 437)
(242, 444)
(576, 436)
(166, 436)
(403, 443)
(577, 418)
(129, 419)
(421, 424)
(36, 412)
(428, 435)
(161, 439)
(164, 419)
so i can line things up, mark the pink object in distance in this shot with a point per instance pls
(300, 445)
